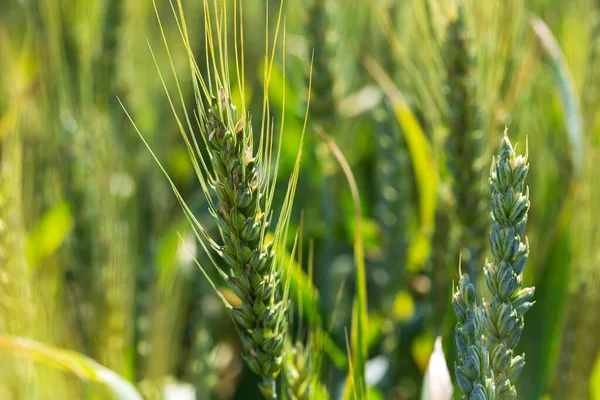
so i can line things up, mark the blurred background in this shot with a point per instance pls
(90, 254)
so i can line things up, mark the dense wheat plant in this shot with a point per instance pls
(487, 335)
(238, 179)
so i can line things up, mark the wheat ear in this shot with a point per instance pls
(238, 181)
(509, 299)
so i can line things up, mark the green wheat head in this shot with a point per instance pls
(487, 335)
(510, 300)
(251, 269)
(238, 179)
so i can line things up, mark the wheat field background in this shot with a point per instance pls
(240, 199)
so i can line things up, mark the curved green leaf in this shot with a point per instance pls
(568, 95)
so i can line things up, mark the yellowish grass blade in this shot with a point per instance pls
(73, 362)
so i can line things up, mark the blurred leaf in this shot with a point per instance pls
(566, 85)
(423, 161)
(404, 306)
(73, 362)
(309, 299)
(166, 255)
(375, 330)
(337, 356)
(49, 234)
(374, 394)
(236, 96)
(179, 165)
(421, 349)
(282, 94)
(8, 121)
